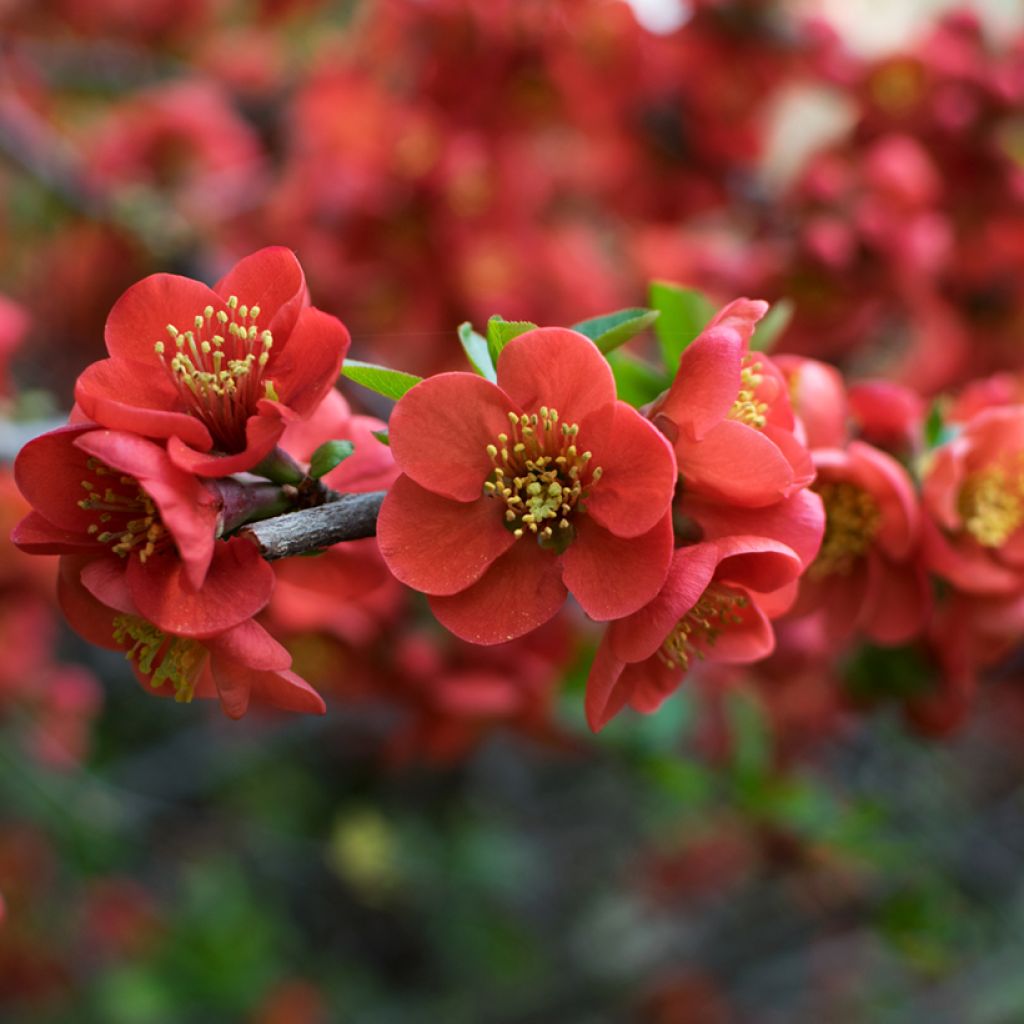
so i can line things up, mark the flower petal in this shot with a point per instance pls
(640, 635)
(187, 507)
(639, 474)
(88, 617)
(757, 563)
(238, 585)
(49, 472)
(306, 366)
(518, 593)
(611, 577)
(898, 601)
(36, 535)
(558, 368)
(273, 280)
(262, 432)
(705, 385)
(248, 644)
(735, 463)
(605, 698)
(436, 545)
(440, 429)
(140, 317)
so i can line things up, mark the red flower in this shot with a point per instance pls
(240, 665)
(867, 575)
(727, 414)
(147, 527)
(973, 493)
(219, 372)
(716, 604)
(513, 493)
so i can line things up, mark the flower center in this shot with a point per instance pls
(217, 366)
(747, 408)
(541, 476)
(127, 518)
(991, 506)
(717, 610)
(852, 519)
(165, 659)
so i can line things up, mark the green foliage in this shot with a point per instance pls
(328, 456)
(684, 312)
(382, 436)
(501, 331)
(387, 382)
(477, 351)
(770, 329)
(636, 381)
(610, 331)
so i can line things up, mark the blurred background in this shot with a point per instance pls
(450, 843)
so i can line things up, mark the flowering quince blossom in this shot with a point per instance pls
(728, 416)
(716, 603)
(241, 665)
(219, 372)
(973, 492)
(144, 524)
(515, 492)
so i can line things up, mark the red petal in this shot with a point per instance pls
(126, 395)
(187, 508)
(306, 366)
(248, 644)
(795, 453)
(797, 521)
(757, 563)
(559, 368)
(343, 573)
(140, 317)
(965, 563)
(440, 430)
(890, 485)
(611, 577)
(706, 384)
(735, 463)
(238, 585)
(639, 475)
(262, 432)
(519, 592)
(105, 579)
(740, 643)
(88, 617)
(605, 697)
(898, 602)
(38, 536)
(273, 280)
(639, 636)
(49, 471)
(436, 545)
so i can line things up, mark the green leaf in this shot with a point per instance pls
(684, 312)
(636, 381)
(390, 383)
(329, 455)
(477, 351)
(382, 436)
(614, 329)
(501, 331)
(775, 321)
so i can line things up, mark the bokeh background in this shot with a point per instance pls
(775, 846)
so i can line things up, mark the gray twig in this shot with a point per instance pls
(350, 517)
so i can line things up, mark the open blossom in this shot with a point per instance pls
(218, 371)
(513, 493)
(716, 604)
(240, 665)
(144, 524)
(973, 492)
(868, 574)
(728, 416)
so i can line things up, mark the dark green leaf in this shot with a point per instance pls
(382, 436)
(329, 455)
(775, 321)
(614, 329)
(501, 331)
(477, 351)
(684, 312)
(636, 381)
(390, 383)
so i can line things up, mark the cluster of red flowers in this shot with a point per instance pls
(137, 496)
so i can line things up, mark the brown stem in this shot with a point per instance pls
(349, 517)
